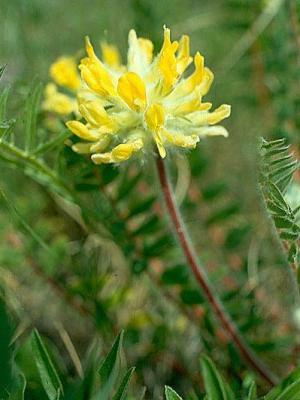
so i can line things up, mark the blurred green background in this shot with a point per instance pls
(93, 284)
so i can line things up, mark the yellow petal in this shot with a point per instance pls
(207, 81)
(101, 144)
(183, 58)
(111, 55)
(82, 148)
(186, 86)
(167, 63)
(216, 130)
(64, 72)
(207, 118)
(95, 114)
(178, 139)
(94, 73)
(131, 89)
(120, 153)
(155, 117)
(82, 131)
(140, 53)
(58, 102)
(146, 48)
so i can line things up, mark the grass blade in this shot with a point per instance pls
(48, 374)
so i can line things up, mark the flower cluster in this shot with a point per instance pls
(123, 109)
(64, 74)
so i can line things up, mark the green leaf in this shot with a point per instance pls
(171, 394)
(141, 206)
(276, 193)
(213, 382)
(18, 391)
(20, 221)
(122, 390)
(149, 226)
(108, 173)
(283, 222)
(214, 190)
(2, 70)
(109, 369)
(3, 103)
(48, 374)
(57, 141)
(236, 236)
(158, 246)
(5, 351)
(32, 109)
(252, 392)
(128, 184)
(223, 214)
(175, 275)
(289, 235)
(110, 362)
(285, 385)
(86, 187)
(191, 296)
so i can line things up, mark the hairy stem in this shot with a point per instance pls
(198, 271)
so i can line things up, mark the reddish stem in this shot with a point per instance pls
(201, 278)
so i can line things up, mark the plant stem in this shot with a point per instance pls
(203, 282)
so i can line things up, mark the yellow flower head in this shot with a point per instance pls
(125, 108)
(63, 73)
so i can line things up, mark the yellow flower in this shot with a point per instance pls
(58, 102)
(64, 73)
(125, 108)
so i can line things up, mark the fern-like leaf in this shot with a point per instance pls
(277, 169)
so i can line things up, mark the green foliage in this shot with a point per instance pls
(171, 394)
(49, 376)
(278, 167)
(90, 247)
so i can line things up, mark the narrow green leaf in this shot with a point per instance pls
(285, 384)
(122, 390)
(288, 235)
(6, 378)
(276, 208)
(292, 392)
(17, 217)
(283, 222)
(191, 296)
(158, 246)
(3, 103)
(276, 151)
(110, 362)
(149, 226)
(2, 68)
(280, 160)
(213, 381)
(141, 206)
(171, 394)
(18, 391)
(284, 179)
(276, 193)
(128, 184)
(52, 144)
(48, 374)
(32, 109)
(272, 143)
(177, 274)
(252, 394)
(214, 190)
(223, 214)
